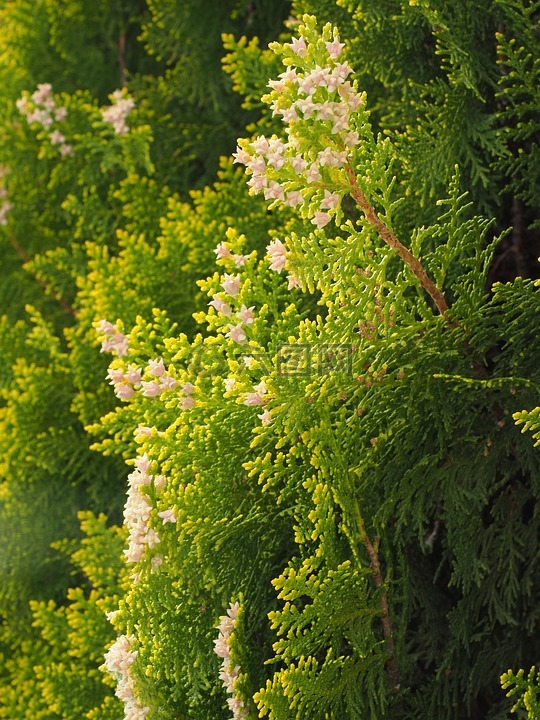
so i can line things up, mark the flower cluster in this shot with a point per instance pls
(138, 509)
(318, 105)
(115, 341)
(245, 316)
(231, 285)
(126, 381)
(6, 206)
(118, 661)
(229, 673)
(41, 109)
(117, 113)
(276, 252)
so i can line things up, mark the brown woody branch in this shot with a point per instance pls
(390, 239)
(21, 252)
(391, 665)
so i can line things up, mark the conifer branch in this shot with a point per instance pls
(21, 252)
(390, 239)
(391, 665)
(121, 47)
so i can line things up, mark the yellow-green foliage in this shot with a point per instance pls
(55, 673)
(345, 463)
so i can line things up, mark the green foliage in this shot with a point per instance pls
(55, 672)
(527, 687)
(320, 415)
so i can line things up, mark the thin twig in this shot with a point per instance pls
(21, 252)
(390, 239)
(391, 665)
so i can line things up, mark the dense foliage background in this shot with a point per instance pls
(401, 476)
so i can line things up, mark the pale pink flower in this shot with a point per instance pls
(320, 75)
(258, 183)
(265, 417)
(56, 137)
(257, 165)
(159, 482)
(22, 105)
(329, 157)
(308, 85)
(167, 382)
(355, 101)
(236, 706)
(278, 85)
(156, 367)
(220, 305)
(260, 388)
(289, 114)
(187, 388)
(152, 538)
(115, 375)
(233, 610)
(240, 260)
(313, 174)
(231, 284)
(306, 106)
(321, 219)
(137, 478)
(42, 94)
(253, 399)
(143, 430)
(133, 553)
(293, 282)
(221, 647)
(298, 46)
(294, 198)
(334, 48)
(342, 70)
(124, 391)
(298, 163)
(274, 191)
(325, 111)
(151, 389)
(236, 333)
(241, 156)
(260, 145)
(133, 375)
(187, 402)
(143, 463)
(42, 117)
(65, 150)
(276, 160)
(289, 75)
(229, 384)
(351, 139)
(246, 314)
(275, 145)
(167, 516)
(330, 201)
(277, 254)
(60, 114)
(222, 251)
(340, 124)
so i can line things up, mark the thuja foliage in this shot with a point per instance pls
(86, 109)
(57, 675)
(327, 406)
(335, 457)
